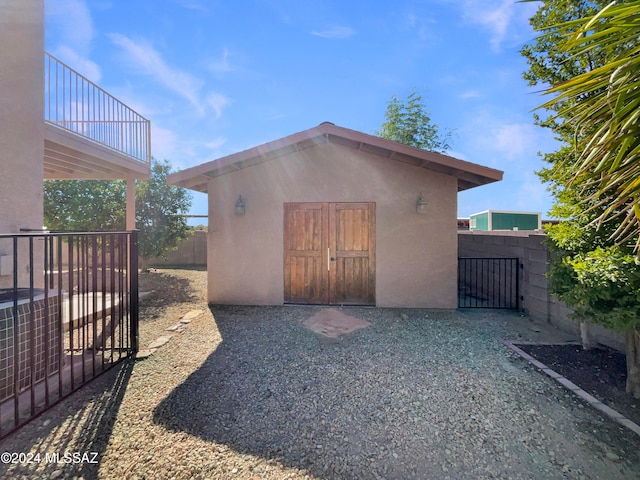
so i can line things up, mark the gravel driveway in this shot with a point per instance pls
(249, 392)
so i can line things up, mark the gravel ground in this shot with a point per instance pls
(249, 392)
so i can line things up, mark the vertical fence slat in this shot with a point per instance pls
(134, 309)
(60, 323)
(488, 283)
(16, 339)
(31, 335)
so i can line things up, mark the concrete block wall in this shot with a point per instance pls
(536, 301)
(191, 252)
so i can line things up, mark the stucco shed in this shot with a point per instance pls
(334, 216)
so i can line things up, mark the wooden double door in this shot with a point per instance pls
(329, 253)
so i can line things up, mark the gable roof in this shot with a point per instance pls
(469, 174)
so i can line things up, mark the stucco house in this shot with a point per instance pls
(56, 124)
(331, 215)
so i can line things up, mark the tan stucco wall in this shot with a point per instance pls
(21, 113)
(21, 124)
(416, 254)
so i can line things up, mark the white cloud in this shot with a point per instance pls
(457, 154)
(223, 65)
(147, 61)
(513, 140)
(146, 105)
(216, 143)
(499, 140)
(419, 24)
(532, 194)
(495, 19)
(217, 102)
(82, 65)
(163, 143)
(336, 32)
(506, 20)
(197, 5)
(470, 94)
(72, 21)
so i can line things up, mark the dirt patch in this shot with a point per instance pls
(170, 294)
(165, 288)
(602, 372)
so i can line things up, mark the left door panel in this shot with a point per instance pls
(306, 275)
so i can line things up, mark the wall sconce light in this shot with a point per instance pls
(239, 207)
(421, 204)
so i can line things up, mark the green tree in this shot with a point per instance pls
(409, 122)
(606, 117)
(578, 58)
(160, 210)
(84, 205)
(97, 205)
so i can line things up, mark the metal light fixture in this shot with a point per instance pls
(421, 204)
(239, 207)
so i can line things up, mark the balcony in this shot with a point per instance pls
(89, 134)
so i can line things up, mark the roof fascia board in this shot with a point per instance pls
(468, 174)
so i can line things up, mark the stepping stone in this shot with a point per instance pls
(176, 327)
(142, 354)
(190, 316)
(332, 323)
(159, 342)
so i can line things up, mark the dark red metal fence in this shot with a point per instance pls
(68, 313)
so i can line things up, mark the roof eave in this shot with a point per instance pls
(469, 174)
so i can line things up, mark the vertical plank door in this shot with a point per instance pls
(305, 247)
(329, 253)
(352, 243)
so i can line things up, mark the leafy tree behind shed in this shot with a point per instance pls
(98, 205)
(409, 122)
(159, 213)
(84, 205)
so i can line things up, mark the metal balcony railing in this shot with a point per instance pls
(75, 104)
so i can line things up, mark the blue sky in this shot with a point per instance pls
(217, 77)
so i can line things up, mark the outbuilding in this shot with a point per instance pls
(333, 216)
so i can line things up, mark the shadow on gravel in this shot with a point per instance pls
(87, 427)
(163, 289)
(417, 394)
(274, 389)
(393, 400)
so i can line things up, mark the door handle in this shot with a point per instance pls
(329, 259)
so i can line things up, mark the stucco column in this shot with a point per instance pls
(131, 204)
(21, 134)
(21, 114)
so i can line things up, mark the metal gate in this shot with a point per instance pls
(69, 314)
(489, 283)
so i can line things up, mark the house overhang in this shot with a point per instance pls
(469, 174)
(70, 156)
